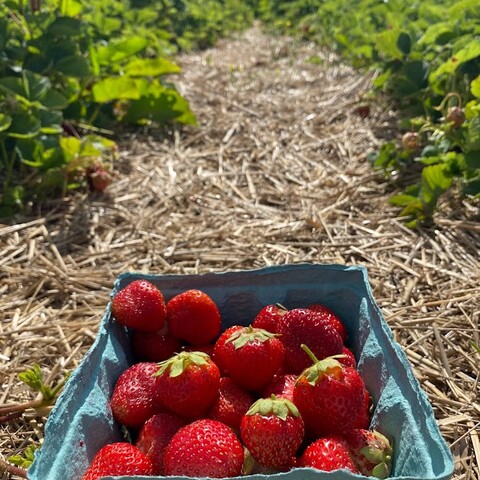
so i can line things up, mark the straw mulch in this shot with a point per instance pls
(275, 173)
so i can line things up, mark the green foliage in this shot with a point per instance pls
(427, 55)
(33, 377)
(77, 69)
(25, 460)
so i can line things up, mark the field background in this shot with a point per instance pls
(275, 172)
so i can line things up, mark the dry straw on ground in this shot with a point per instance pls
(275, 173)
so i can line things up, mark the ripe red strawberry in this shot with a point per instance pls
(204, 448)
(329, 397)
(364, 417)
(281, 386)
(133, 400)
(328, 454)
(193, 317)
(120, 458)
(231, 404)
(187, 383)
(154, 346)
(304, 326)
(140, 305)
(268, 317)
(272, 430)
(250, 356)
(155, 435)
(371, 451)
(331, 317)
(347, 358)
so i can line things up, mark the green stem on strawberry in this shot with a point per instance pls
(309, 353)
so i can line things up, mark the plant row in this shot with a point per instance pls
(427, 55)
(72, 71)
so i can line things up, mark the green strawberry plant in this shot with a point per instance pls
(25, 460)
(423, 53)
(72, 71)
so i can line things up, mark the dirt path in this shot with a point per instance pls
(275, 173)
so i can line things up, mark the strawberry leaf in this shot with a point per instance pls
(373, 454)
(381, 471)
(26, 459)
(327, 366)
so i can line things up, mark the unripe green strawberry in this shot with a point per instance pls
(272, 430)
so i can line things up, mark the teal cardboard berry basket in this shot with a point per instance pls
(81, 421)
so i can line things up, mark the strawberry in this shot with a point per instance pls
(155, 435)
(187, 383)
(328, 454)
(371, 452)
(331, 317)
(304, 326)
(329, 397)
(133, 400)
(411, 141)
(272, 430)
(456, 115)
(140, 305)
(193, 317)
(347, 358)
(364, 417)
(281, 386)
(98, 178)
(268, 317)
(120, 458)
(231, 404)
(204, 448)
(363, 111)
(154, 346)
(250, 356)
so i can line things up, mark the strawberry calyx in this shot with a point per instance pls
(273, 406)
(327, 366)
(379, 452)
(177, 364)
(249, 334)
